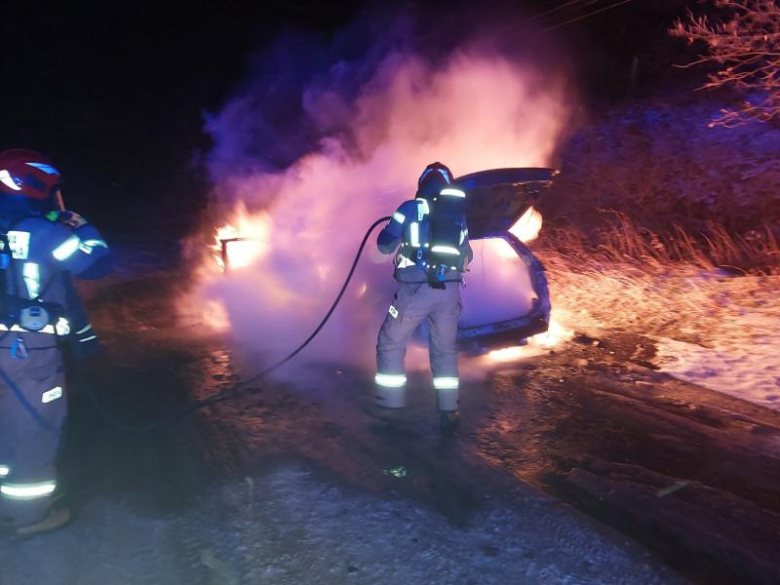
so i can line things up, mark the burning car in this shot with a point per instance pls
(506, 299)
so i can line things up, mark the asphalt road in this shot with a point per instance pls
(665, 472)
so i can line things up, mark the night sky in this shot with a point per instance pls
(115, 93)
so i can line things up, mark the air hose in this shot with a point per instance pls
(241, 386)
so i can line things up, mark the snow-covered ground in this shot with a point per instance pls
(292, 527)
(746, 366)
(710, 328)
(738, 353)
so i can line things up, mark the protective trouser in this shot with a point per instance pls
(411, 305)
(32, 412)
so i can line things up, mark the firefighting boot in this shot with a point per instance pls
(58, 516)
(449, 422)
(447, 395)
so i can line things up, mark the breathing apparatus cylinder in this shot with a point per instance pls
(448, 231)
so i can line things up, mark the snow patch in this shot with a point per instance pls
(746, 365)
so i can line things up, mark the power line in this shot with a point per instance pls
(523, 23)
(584, 16)
(556, 9)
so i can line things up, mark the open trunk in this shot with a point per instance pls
(506, 298)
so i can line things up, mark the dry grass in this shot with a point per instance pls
(632, 279)
(622, 240)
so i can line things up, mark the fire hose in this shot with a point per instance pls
(243, 385)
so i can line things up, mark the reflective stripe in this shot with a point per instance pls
(67, 248)
(32, 279)
(405, 262)
(445, 250)
(51, 395)
(463, 234)
(48, 169)
(47, 329)
(445, 383)
(443, 172)
(414, 234)
(393, 312)
(4, 470)
(27, 491)
(452, 192)
(90, 338)
(62, 327)
(19, 242)
(399, 217)
(84, 330)
(8, 180)
(390, 380)
(422, 208)
(88, 245)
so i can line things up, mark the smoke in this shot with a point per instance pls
(312, 150)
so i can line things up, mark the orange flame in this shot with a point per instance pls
(527, 228)
(555, 335)
(245, 239)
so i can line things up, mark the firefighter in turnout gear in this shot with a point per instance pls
(41, 247)
(430, 239)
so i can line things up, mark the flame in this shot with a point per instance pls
(527, 228)
(537, 345)
(245, 239)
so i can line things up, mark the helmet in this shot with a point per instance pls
(27, 173)
(434, 178)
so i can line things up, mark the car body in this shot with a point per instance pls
(497, 199)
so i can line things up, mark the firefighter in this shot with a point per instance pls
(41, 246)
(429, 238)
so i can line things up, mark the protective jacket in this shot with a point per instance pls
(431, 243)
(411, 232)
(39, 254)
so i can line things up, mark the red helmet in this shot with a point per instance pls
(27, 173)
(434, 178)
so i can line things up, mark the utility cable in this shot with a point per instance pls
(584, 16)
(564, 6)
(241, 386)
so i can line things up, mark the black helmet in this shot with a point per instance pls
(434, 178)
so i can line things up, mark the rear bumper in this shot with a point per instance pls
(512, 331)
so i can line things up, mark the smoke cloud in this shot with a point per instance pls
(310, 151)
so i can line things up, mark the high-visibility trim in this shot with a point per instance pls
(51, 395)
(399, 217)
(463, 234)
(441, 171)
(446, 383)
(27, 491)
(90, 338)
(423, 208)
(445, 250)
(87, 246)
(48, 169)
(48, 329)
(67, 248)
(414, 234)
(19, 242)
(62, 327)
(405, 262)
(8, 180)
(32, 279)
(390, 380)
(452, 192)
(4, 470)
(393, 312)
(84, 329)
